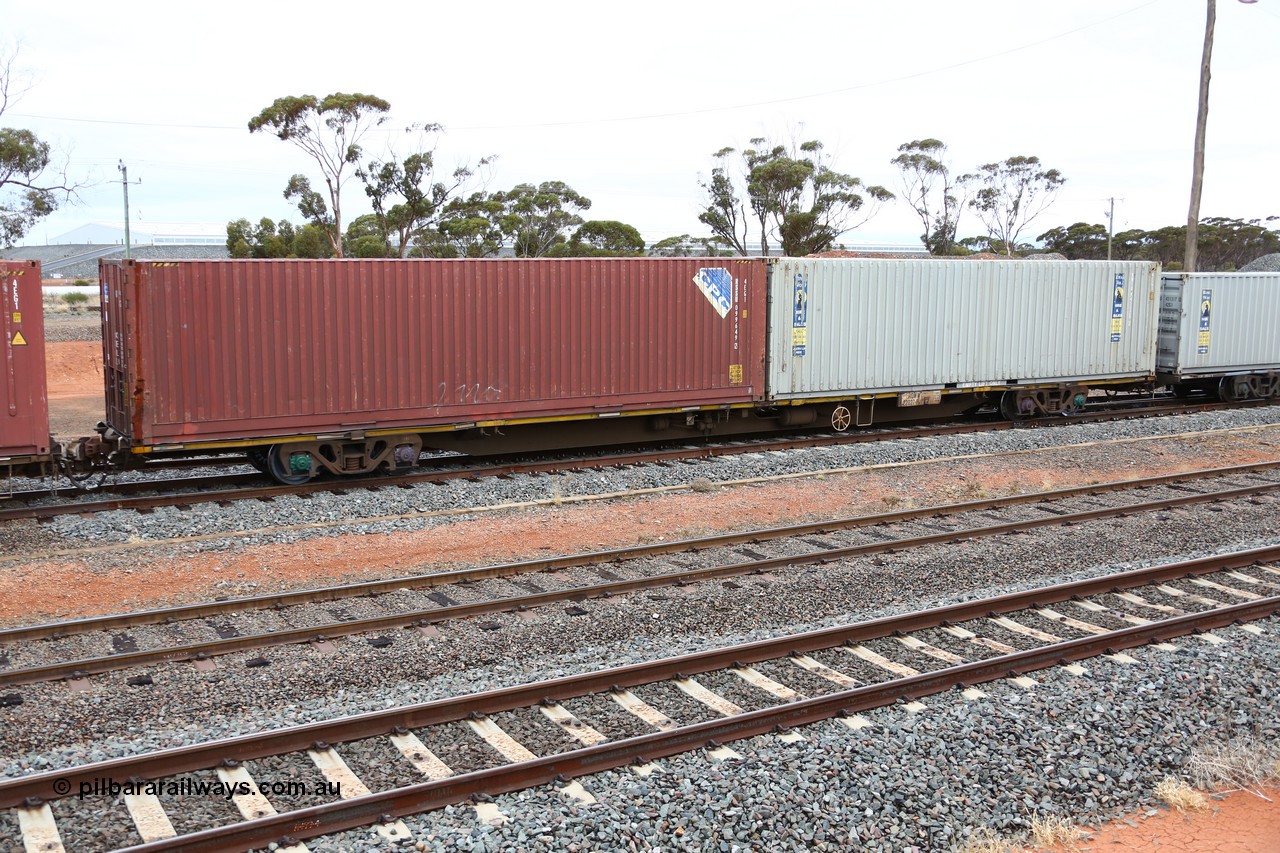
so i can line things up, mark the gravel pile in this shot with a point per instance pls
(324, 507)
(48, 255)
(1266, 263)
(60, 328)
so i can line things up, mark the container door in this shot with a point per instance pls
(24, 412)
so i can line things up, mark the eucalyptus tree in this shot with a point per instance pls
(406, 196)
(1011, 193)
(328, 129)
(934, 193)
(537, 219)
(794, 196)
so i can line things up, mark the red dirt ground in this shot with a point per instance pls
(1240, 823)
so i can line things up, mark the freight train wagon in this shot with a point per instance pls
(350, 366)
(880, 337)
(25, 445)
(1220, 333)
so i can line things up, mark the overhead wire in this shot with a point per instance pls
(673, 114)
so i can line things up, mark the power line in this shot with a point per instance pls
(677, 114)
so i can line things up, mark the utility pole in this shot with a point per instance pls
(1197, 163)
(1202, 119)
(124, 179)
(1111, 224)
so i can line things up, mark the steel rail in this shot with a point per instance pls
(182, 499)
(166, 615)
(276, 742)
(317, 633)
(384, 806)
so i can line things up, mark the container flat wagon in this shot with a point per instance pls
(25, 445)
(1220, 333)
(889, 335)
(356, 365)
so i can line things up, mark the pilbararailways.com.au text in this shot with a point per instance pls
(188, 787)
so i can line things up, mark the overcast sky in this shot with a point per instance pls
(627, 102)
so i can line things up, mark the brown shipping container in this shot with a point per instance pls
(199, 351)
(24, 407)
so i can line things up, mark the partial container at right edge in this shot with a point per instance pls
(1218, 324)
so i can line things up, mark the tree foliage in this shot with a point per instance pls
(270, 239)
(469, 228)
(1079, 241)
(1223, 244)
(794, 196)
(31, 187)
(1010, 194)
(329, 130)
(406, 197)
(605, 238)
(933, 192)
(537, 219)
(684, 246)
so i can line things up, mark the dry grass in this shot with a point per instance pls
(984, 841)
(702, 484)
(1239, 765)
(59, 305)
(1177, 794)
(1047, 831)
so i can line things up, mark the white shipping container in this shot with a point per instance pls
(1213, 324)
(845, 326)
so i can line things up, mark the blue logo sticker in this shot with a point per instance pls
(717, 285)
(800, 314)
(1117, 308)
(1206, 310)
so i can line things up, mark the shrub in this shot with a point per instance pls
(75, 298)
(80, 282)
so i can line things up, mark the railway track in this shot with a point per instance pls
(378, 767)
(142, 496)
(78, 649)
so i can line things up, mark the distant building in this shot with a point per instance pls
(154, 234)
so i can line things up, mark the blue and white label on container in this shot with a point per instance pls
(1206, 309)
(800, 314)
(1117, 308)
(717, 285)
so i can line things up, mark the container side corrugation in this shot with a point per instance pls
(1242, 320)
(241, 349)
(24, 409)
(876, 326)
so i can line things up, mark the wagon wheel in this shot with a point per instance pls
(1234, 388)
(286, 467)
(1075, 403)
(1016, 406)
(258, 458)
(841, 419)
